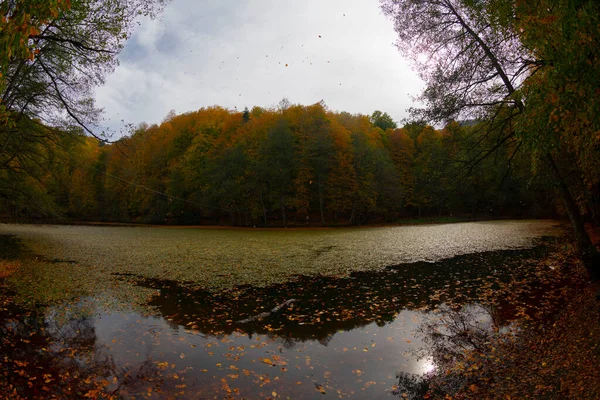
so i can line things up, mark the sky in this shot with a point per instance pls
(255, 53)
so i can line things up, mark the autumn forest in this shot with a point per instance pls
(290, 165)
(130, 266)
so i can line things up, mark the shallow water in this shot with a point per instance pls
(139, 332)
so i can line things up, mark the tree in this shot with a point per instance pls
(312, 128)
(20, 20)
(383, 121)
(479, 62)
(376, 178)
(54, 52)
(246, 115)
(563, 36)
(402, 149)
(341, 183)
(430, 172)
(70, 48)
(276, 153)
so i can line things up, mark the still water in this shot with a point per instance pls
(200, 313)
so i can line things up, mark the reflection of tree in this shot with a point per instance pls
(326, 305)
(78, 332)
(411, 386)
(497, 345)
(451, 333)
(325, 340)
(46, 355)
(39, 359)
(460, 342)
(137, 380)
(454, 336)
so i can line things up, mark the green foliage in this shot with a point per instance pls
(52, 54)
(300, 165)
(528, 71)
(246, 115)
(383, 121)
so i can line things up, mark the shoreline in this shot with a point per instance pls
(408, 222)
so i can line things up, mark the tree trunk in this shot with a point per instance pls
(282, 205)
(321, 204)
(353, 213)
(264, 208)
(589, 198)
(587, 251)
(595, 196)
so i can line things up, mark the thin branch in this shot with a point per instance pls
(75, 43)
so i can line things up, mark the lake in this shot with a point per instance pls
(149, 312)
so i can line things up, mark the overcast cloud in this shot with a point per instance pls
(246, 53)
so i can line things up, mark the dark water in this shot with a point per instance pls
(335, 337)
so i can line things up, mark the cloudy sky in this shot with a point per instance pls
(256, 52)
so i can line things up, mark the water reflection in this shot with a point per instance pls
(343, 337)
(324, 306)
(42, 359)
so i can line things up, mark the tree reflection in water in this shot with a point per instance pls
(42, 359)
(479, 349)
(50, 355)
(454, 336)
(344, 334)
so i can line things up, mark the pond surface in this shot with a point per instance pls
(219, 258)
(210, 313)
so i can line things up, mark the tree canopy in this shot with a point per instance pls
(526, 70)
(299, 165)
(54, 52)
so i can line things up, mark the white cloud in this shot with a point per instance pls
(235, 55)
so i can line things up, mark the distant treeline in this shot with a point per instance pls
(291, 165)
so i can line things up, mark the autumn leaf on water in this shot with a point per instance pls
(320, 388)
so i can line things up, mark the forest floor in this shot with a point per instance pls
(555, 354)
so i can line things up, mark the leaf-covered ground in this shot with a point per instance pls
(515, 323)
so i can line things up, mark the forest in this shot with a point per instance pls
(506, 127)
(292, 165)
